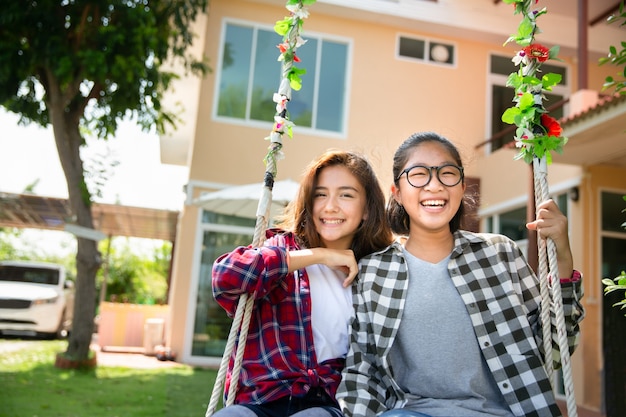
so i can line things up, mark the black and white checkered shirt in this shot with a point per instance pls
(502, 297)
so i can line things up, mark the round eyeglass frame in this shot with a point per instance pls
(437, 170)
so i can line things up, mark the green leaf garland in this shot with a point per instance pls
(537, 134)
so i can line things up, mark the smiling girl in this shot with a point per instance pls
(448, 321)
(300, 281)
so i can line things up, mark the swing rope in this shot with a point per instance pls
(531, 137)
(289, 28)
(554, 299)
(546, 297)
(537, 135)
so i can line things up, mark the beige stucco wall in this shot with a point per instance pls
(182, 273)
(388, 99)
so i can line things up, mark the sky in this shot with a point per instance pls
(28, 154)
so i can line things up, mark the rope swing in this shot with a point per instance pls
(289, 28)
(537, 135)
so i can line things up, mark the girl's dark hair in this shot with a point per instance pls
(398, 217)
(374, 232)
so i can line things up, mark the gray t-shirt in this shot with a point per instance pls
(435, 357)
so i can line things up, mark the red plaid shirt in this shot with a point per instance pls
(279, 359)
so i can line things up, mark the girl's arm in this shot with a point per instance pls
(342, 260)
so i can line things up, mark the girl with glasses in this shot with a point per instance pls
(447, 321)
(300, 280)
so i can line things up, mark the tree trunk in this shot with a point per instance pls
(65, 120)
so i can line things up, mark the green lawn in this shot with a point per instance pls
(30, 386)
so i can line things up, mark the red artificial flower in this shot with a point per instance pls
(538, 52)
(552, 126)
(284, 47)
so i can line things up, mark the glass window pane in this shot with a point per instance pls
(550, 100)
(332, 87)
(513, 224)
(300, 107)
(266, 76)
(212, 325)
(235, 72)
(561, 201)
(613, 215)
(502, 65)
(412, 48)
(248, 79)
(217, 218)
(501, 99)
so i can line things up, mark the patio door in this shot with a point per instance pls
(614, 319)
(221, 234)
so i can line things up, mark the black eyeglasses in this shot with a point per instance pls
(420, 175)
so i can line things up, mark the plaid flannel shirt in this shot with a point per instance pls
(279, 359)
(502, 297)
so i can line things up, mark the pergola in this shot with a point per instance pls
(39, 212)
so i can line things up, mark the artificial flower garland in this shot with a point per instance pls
(289, 28)
(537, 133)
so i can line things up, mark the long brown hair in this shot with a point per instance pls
(374, 232)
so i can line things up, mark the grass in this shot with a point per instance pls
(31, 386)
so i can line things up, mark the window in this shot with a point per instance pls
(502, 97)
(426, 50)
(512, 222)
(250, 74)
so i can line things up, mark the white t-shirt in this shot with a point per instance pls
(331, 306)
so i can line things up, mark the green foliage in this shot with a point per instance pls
(32, 386)
(134, 278)
(616, 57)
(537, 134)
(527, 28)
(103, 55)
(16, 244)
(616, 284)
(289, 28)
(7, 248)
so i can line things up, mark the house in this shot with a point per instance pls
(377, 71)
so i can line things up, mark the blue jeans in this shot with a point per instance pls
(399, 412)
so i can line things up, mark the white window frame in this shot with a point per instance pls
(427, 44)
(341, 134)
